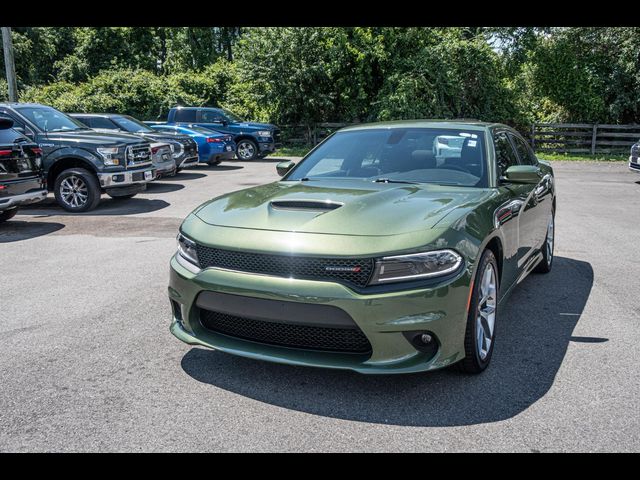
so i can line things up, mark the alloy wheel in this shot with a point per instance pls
(74, 191)
(486, 312)
(246, 150)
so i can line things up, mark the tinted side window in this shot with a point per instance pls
(209, 116)
(100, 122)
(505, 155)
(527, 157)
(184, 116)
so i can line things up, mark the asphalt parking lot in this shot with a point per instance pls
(87, 362)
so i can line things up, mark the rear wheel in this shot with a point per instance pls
(547, 248)
(8, 214)
(481, 320)
(77, 190)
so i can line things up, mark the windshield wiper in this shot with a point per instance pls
(389, 180)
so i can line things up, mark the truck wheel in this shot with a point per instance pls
(8, 214)
(247, 150)
(77, 190)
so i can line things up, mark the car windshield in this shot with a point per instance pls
(231, 116)
(51, 120)
(132, 125)
(399, 155)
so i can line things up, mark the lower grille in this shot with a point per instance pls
(352, 271)
(344, 340)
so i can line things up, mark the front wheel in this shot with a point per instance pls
(247, 150)
(547, 248)
(481, 320)
(77, 190)
(8, 214)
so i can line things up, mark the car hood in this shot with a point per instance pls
(91, 137)
(358, 207)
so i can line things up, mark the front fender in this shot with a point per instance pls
(76, 153)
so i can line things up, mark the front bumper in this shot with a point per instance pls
(165, 168)
(127, 177)
(24, 199)
(269, 147)
(382, 317)
(188, 162)
(634, 164)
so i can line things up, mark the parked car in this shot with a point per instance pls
(253, 140)
(213, 147)
(163, 162)
(634, 158)
(184, 149)
(21, 178)
(80, 163)
(368, 255)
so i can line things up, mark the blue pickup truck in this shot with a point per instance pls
(253, 140)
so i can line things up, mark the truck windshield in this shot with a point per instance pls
(51, 120)
(130, 124)
(399, 155)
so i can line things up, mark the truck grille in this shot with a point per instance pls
(346, 340)
(352, 271)
(138, 155)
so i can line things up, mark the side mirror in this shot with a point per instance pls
(284, 167)
(522, 174)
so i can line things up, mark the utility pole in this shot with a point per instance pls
(9, 65)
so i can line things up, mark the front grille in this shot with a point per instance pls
(138, 155)
(345, 340)
(352, 271)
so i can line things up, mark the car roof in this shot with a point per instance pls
(97, 115)
(468, 124)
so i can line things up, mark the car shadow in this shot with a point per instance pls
(107, 206)
(184, 175)
(535, 329)
(17, 230)
(162, 187)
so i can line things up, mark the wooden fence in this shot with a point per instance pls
(583, 137)
(544, 137)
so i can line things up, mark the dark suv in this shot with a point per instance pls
(80, 163)
(184, 149)
(21, 178)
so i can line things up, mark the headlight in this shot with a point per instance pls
(109, 154)
(415, 266)
(187, 250)
(264, 133)
(176, 149)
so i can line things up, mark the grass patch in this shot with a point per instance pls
(580, 157)
(291, 152)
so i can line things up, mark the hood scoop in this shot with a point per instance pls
(305, 205)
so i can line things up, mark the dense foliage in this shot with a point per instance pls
(310, 75)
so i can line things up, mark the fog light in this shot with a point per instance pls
(118, 178)
(426, 338)
(425, 342)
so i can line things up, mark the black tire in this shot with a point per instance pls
(547, 250)
(122, 197)
(89, 180)
(8, 214)
(247, 150)
(473, 361)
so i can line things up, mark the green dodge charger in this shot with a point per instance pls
(389, 248)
